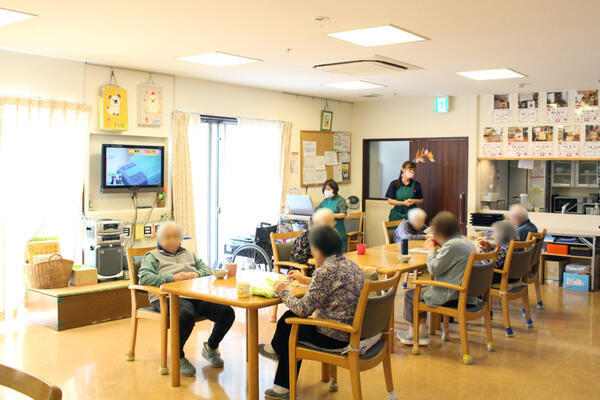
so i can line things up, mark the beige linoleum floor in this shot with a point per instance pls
(558, 359)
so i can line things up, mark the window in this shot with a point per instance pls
(236, 170)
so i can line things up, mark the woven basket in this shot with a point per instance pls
(51, 274)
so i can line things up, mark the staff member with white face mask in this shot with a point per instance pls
(404, 193)
(338, 205)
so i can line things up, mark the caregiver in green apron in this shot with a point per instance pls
(337, 204)
(404, 193)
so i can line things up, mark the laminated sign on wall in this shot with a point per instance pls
(150, 102)
(112, 108)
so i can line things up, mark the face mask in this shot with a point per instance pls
(409, 175)
(328, 193)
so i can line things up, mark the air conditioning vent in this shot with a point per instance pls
(369, 66)
(372, 95)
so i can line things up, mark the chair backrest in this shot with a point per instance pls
(354, 222)
(135, 266)
(28, 385)
(281, 251)
(537, 250)
(373, 314)
(389, 230)
(479, 273)
(518, 259)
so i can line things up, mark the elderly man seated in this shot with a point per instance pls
(519, 217)
(301, 249)
(170, 262)
(413, 228)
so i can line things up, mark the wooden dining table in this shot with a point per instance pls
(224, 291)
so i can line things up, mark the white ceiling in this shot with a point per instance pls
(555, 43)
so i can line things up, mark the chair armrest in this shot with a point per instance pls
(446, 285)
(149, 289)
(326, 323)
(301, 267)
(499, 271)
(355, 233)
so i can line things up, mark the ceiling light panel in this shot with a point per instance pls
(378, 36)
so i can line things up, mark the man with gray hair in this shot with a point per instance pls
(519, 217)
(413, 228)
(301, 249)
(170, 262)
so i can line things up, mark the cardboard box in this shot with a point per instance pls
(553, 269)
(84, 276)
(552, 282)
(578, 282)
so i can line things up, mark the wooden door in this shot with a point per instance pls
(444, 181)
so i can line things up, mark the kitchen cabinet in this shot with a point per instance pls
(586, 174)
(562, 173)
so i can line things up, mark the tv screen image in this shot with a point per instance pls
(137, 166)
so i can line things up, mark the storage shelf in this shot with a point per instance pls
(567, 256)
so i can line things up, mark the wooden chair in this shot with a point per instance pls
(281, 257)
(374, 315)
(533, 276)
(516, 268)
(28, 385)
(138, 312)
(476, 282)
(389, 230)
(354, 235)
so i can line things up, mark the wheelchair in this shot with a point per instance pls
(254, 253)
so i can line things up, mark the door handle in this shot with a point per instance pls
(461, 198)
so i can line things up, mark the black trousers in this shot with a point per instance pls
(281, 341)
(189, 309)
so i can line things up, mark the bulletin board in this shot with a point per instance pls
(318, 147)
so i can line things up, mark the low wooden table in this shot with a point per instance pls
(223, 291)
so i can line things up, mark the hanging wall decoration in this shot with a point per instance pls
(501, 113)
(543, 145)
(518, 141)
(569, 141)
(528, 107)
(557, 107)
(493, 143)
(150, 103)
(423, 155)
(591, 146)
(112, 106)
(586, 106)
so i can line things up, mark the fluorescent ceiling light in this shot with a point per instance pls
(354, 85)
(378, 36)
(10, 16)
(488, 74)
(218, 59)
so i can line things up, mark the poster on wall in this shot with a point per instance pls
(528, 107)
(518, 141)
(591, 146)
(112, 108)
(542, 144)
(586, 106)
(557, 107)
(150, 105)
(569, 140)
(501, 113)
(492, 143)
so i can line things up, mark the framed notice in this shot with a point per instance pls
(591, 145)
(557, 107)
(569, 141)
(542, 141)
(492, 142)
(518, 141)
(501, 113)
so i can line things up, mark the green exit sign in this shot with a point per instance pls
(442, 104)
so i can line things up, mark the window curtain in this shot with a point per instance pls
(183, 196)
(44, 148)
(284, 168)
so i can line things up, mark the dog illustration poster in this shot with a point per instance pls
(150, 105)
(112, 108)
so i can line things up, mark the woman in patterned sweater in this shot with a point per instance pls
(504, 232)
(301, 248)
(333, 293)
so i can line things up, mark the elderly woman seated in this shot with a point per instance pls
(503, 233)
(333, 293)
(301, 249)
(170, 262)
(413, 228)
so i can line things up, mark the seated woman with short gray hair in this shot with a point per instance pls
(414, 227)
(503, 233)
(170, 262)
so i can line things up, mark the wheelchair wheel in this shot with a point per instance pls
(252, 257)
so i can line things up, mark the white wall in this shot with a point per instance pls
(410, 117)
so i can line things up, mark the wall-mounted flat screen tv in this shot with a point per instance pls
(129, 168)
